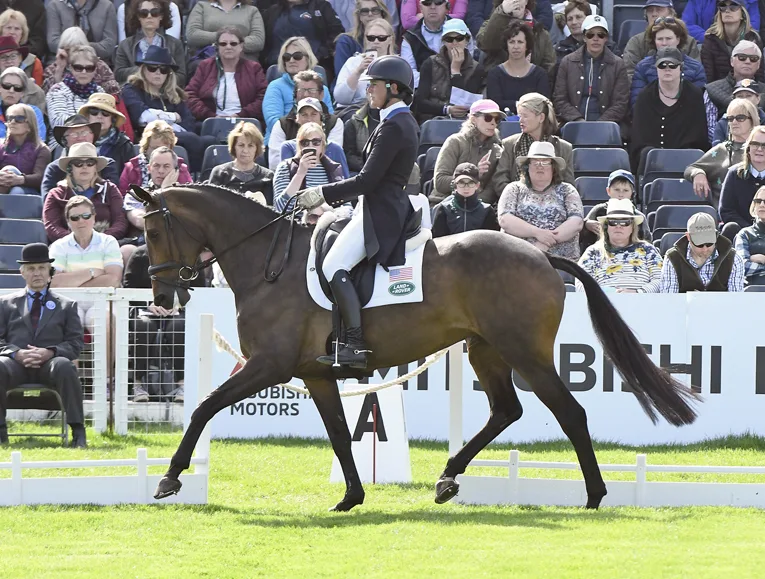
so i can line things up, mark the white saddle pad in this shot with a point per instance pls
(399, 285)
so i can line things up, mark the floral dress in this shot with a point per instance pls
(546, 210)
(636, 267)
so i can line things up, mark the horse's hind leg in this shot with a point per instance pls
(495, 376)
(327, 399)
(254, 376)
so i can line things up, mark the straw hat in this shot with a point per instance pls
(82, 151)
(105, 102)
(621, 209)
(543, 150)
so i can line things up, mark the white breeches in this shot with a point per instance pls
(348, 250)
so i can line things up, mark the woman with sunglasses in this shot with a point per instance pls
(412, 11)
(148, 19)
(111, 143)
(700, 15)
(640, 46)
(669, 113)
(620, 261)
(707, 174)
(97, 19)
(351, 42)
(14, 24)
(572, 18)
(750, 242)
(153, 94)
(13, 86)
(82, 166)
(23, 155)
(731, 25)
(207, 18)
(170, 20)
(517, 76)
(310, 167)
(741, 183)
(379, 40)
(452, 68)
(295, 56)
(66, 97)
(665, 33)
(478, 142)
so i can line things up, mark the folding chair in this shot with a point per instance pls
(38, 397)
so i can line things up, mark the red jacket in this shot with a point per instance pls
(108, 204)
(250, 84)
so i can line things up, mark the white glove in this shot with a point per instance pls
(310, 198)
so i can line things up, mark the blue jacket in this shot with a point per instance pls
(698, 16)
(345, 47)
(645, 74)
(479, 11)
(721, 129)
(280, 99)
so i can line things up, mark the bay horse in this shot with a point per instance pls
(497, 292)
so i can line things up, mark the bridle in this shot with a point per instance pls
(188, 273)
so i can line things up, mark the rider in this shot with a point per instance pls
(376, 229)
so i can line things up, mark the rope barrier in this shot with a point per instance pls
(223, 346)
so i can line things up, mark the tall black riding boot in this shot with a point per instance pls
(353, 352)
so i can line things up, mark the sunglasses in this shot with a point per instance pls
(600, 35)
(669, 65)
(311, 142)
(76, 218)
(455, 38)
(13, 87)
(739, 118)
(381, 38)
(728, 7)
(489, 118)
(84, 67)
(94, 112)
(619, 222)
(702, 245)
(756, 145)
(155, 67)
(431, 2)
(665, 20)
(749, 57)
(296, 56)
(758, 201)
(154, 12)
(16, 119)
(366, 11)
(84, 163)
(232, 44)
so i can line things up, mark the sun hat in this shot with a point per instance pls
(621, 209)
(486, 107)
(8, 44)
(82, 151)
(75, 122)
(455, 26)
(542, 150)
(315, 104)
(105, 102)
(702, 229)
(594, 21)
(157, 55)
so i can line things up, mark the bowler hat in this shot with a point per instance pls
(157, 55)
(35, 253)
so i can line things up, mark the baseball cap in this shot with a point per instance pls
(468, 170)
(310, 102)
(485, 106)
(748, 85)
(621, 174)
(661, 3)
(702, 229)
(594, 21)
(455, 26)
(669, 54)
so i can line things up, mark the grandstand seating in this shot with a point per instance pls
(8, 256)
(214, 155)
(22, 231)
(668, 240)
(509, 128)
(592, 188)
(624, 12)
(628, 29)
(433, 133)
(21, 206)
(668, 163)
(755, 288)
(675, 217)
(592, 134)
(428, 169)
(220, 127)
(599, 162)
(665, 191)
(12, 281)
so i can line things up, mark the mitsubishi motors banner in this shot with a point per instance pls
(714, 341)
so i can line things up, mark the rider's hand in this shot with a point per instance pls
(310, 198)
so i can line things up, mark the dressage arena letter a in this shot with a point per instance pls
(367, 419)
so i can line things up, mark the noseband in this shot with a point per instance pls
(188, 273)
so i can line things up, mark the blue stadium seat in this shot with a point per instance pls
(8, 256)
(22, 231)
(12, 281)
(433, 133)
(428, 169)
(665, 191)
(668, 163)
(273, 73)
(570, 288)
(592, 188)
(509, 128)
(755, 288)
(592, 134)
(21, 206)
(628, 29)
(624, 12)
(599, 162)
(668, 240)
(220, 127)
(675, 218)
(214, 155)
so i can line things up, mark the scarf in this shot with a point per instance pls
(143, 165)
(79, 90)
(105, 144)
(523, 145)
(81, 15)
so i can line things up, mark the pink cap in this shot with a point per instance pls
(486, 106)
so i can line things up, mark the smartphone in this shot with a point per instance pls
(372, 53)
(309, 151)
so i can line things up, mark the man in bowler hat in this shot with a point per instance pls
(40, 335)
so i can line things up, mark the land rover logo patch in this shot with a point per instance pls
(401, 288)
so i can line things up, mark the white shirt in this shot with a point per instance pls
(345, 95)
(389, 109)
(227, 89)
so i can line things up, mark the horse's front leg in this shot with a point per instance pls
(326, 396)
(256, 375)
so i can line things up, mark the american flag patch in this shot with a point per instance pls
(400, 274)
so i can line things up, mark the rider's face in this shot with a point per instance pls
(378, 93)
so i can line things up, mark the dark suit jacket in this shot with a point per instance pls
(59, 328)
(389, 155)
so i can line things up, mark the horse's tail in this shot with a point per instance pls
(654, 387)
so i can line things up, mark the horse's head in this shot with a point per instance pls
(173, 249)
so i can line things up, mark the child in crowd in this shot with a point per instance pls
(463, 210)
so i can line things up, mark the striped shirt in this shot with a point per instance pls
(102, 251)
(669, 284)
(315, 177)
(635, 267)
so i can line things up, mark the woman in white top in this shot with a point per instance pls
(379, 40)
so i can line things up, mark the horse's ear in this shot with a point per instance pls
(141, 195)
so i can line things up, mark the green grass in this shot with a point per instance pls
(268, 517)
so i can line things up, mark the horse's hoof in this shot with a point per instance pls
(348, 502)
(446, 489)
(166, 487)
(593, 501)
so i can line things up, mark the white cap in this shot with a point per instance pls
(594, 21)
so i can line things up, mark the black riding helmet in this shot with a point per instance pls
(392, 68)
